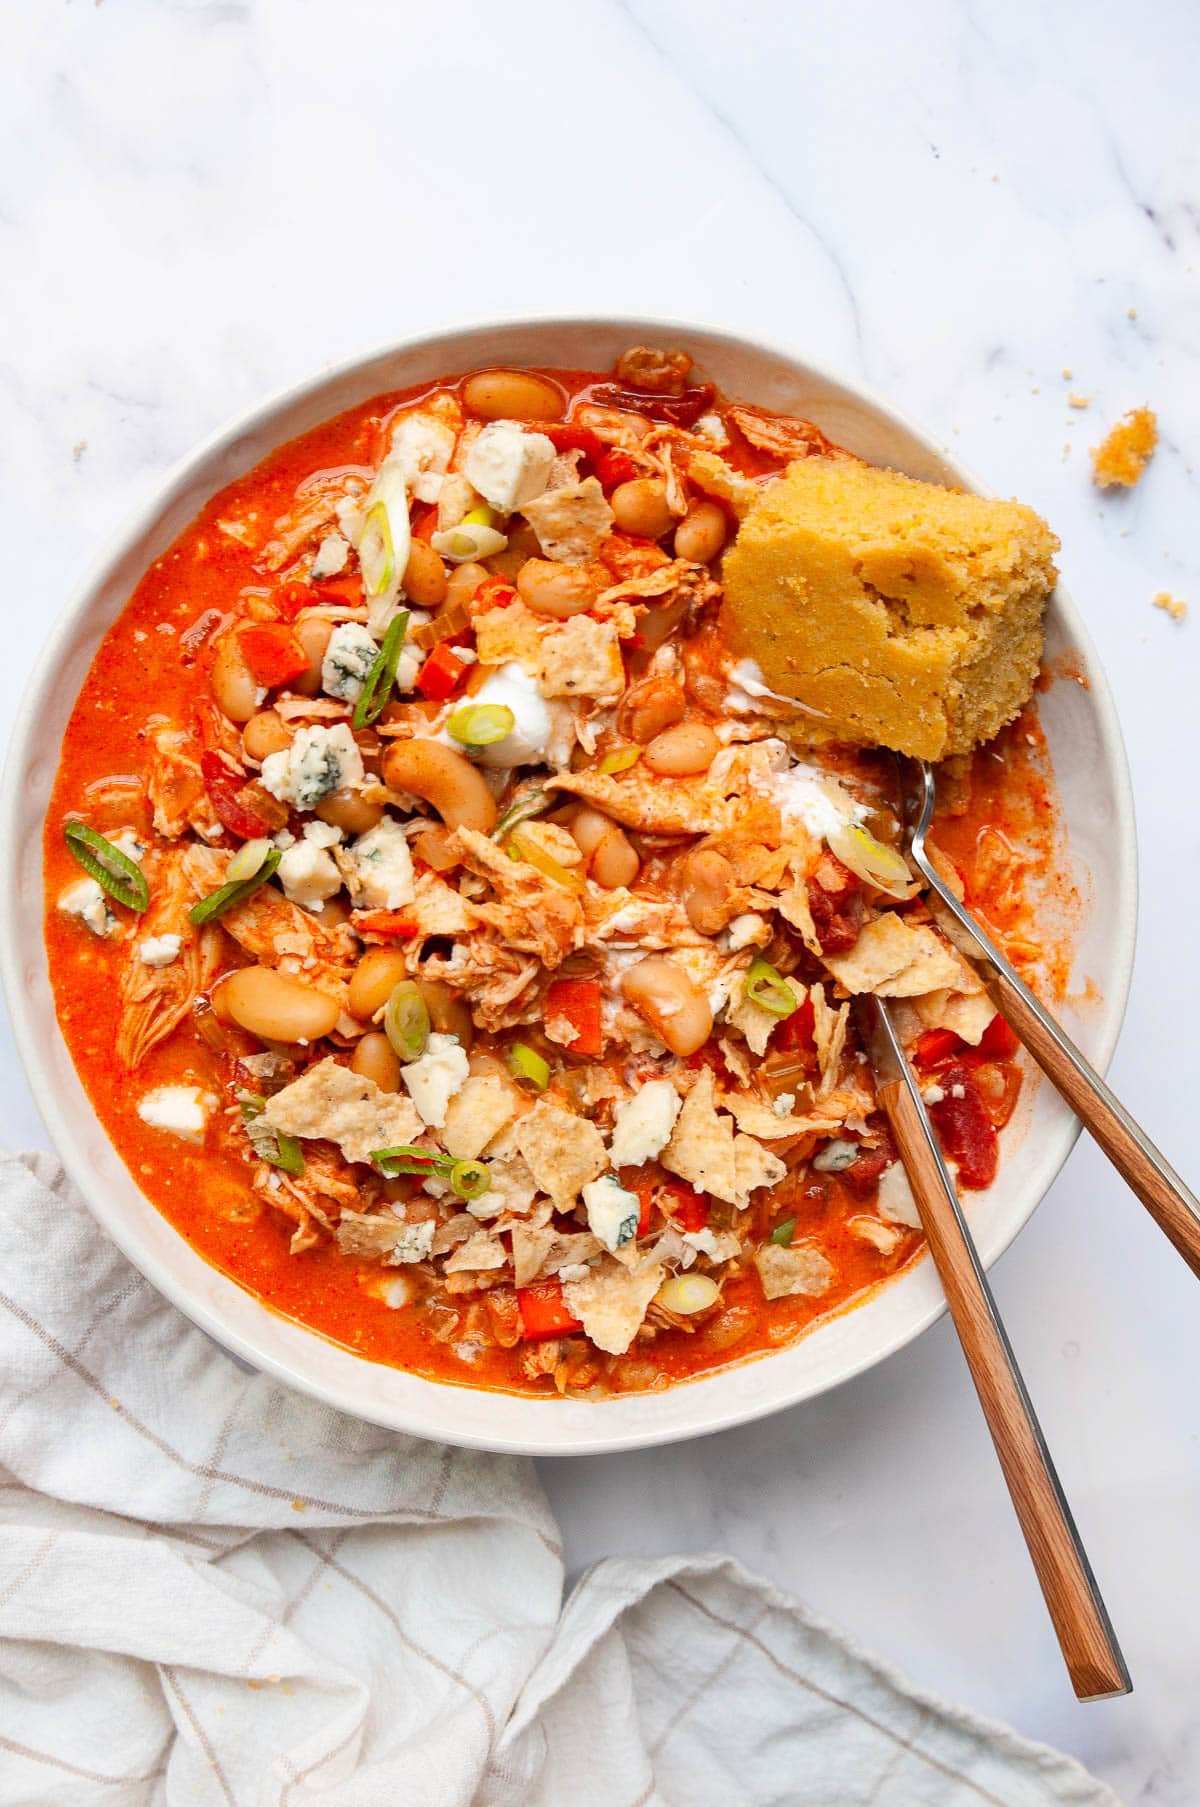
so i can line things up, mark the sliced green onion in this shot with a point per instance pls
(406, 1020)
(619, 760)
(380, 680)
(227, 895)
(270, 1145)
(408, 1159)
(526, 1063)
(883, 867)
(483, 516)
(685, 1293)
(770, 990)
(522, 848)
(469, 540)
(112, 870)
(481, 724)
(783, 1232)
(376, 551)
(469, 1179)
(247, 861)
(523, 809)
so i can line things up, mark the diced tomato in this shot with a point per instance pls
(347, 590)
(224, 793)
(998, 1041)
(578, 1001)
(441, 673)
(424, 520)
(273, 652)
(966, 1131)
(677, 410)
(495, 592)
(614, 466)
(544, 1312)
(571, 436)
(687, 1209)
(935, 1046)
(384, 925)
(291, 597)
(709, 1056)
(645, 1190)
(999, 1085)
(796, 1031)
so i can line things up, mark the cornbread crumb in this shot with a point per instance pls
(904, 614)
(1132, 312)
(1078, 401)
(1067, 374)
(1122, 456)
(1176, 609)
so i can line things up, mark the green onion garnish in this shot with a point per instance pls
(227, 895)
(523, 809)
(406, 1020)
(481, 724)
(783, 1232)
(270, 1145)
(247, 861)
(526, 1063)
(408, 1159)
(112, 870)
(470, 1179)
(619, 760)
(770, 990)
(376, 551)
(379, 681)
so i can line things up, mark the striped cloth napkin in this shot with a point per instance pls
(215, 1591)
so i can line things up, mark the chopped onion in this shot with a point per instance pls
(868, 859)
(469, 540)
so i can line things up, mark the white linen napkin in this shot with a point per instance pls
(215, 1591)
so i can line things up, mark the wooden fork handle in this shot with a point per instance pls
(1170, 1203)
(1086, 1637)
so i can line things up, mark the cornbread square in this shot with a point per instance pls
(900, 613)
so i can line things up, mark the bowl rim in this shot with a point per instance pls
(431, 1421)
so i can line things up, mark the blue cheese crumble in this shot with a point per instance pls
(348, 659)
(378, 868)
(612, 1212)
(318, 762)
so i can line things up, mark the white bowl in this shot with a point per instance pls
(1089, 759)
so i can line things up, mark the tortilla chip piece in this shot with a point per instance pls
(701, 1147)
(794, 907)
(570, 522)
(511, 633)
(539, 1250)
(581, 658)
(612, 1301)
(513, 1189)
(755, 1023)
(754, 1166)
(756, 1118)
(895, 960)
(801, 1269)
(479, 1253)
(564, 1152)
(966, 1016)
(829, 1033)
(485, 1104)
(331, 1102)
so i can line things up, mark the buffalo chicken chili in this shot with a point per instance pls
(457, 940)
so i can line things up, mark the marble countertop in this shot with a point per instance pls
(978, 209)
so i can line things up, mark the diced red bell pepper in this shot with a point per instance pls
(998, 1041)
(687, 1209)
(289, 598)
(273, 652)
(384, 925)
(347, 590)
(935, 1046)
(966, 1131)
(495, 592)
(645, 1190)
(441, 673)
(613, 467)
(796, 1031)
(571, 436)
(544, 1312)
(223, 793)
(578, 1001)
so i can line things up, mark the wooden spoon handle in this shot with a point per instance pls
(1089, 1646)
(1170, 1203)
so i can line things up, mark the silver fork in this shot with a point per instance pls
(1172, 1205)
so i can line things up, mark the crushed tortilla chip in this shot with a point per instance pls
(564, 1152)
(331, 1102)
(612, 1301)
(540, 1250)
(829, 1033)
(478, 1254)
(570, 522)
(743, 1014)
(965, 1016)
(754, 1166)
(800, 1269)
(581, 657)
(485, 1104)
(701, 1147)
(895, 960)
(514, 633)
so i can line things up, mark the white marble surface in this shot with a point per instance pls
(201, 200)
